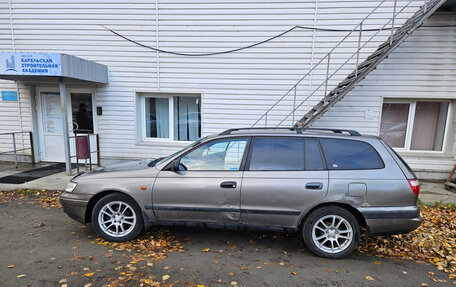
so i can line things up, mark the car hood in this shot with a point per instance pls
(127, 169)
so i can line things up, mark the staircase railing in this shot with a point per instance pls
(326, 60)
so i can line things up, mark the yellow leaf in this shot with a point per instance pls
(230, 274)
(165, 277)
(377, 263)
(436, 259)
(281, 264)
(20, 276)
(293, 273)
(62, 281)
(89, 274)
(11, 266)
(369, 278)
(206, 250)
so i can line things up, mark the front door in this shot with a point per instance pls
(50, 126)
(208, 186)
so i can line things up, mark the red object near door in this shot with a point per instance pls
(82, 147)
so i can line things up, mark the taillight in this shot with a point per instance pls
(414, 185)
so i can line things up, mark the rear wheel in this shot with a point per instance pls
(331, 232)
(117, 217)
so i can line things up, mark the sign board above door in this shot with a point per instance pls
(50, 67)
(31, 64)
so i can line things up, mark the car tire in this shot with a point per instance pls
(117, 217)
(331, 232)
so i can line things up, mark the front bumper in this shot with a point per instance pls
(391, 220)
(75, 204)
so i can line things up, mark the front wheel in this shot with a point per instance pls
(117, 217)
(331, 232)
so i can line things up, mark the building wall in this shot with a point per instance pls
(236, 88)
(423, 67)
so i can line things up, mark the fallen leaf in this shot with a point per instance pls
(11, 266)
(206, 250)
(369, 278)
(89, 274)
(88, 285)
(293, 273)
(230, 274)
(20, 276)
(165, 277)
(404, 272)
(377, 263)
(62, 281)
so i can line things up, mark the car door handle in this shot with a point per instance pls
(314, 185)
(228, 184)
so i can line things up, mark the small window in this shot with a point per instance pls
(313, 160)
(349, 154)
(277, 154)
(174, 117)
(217, 155)
(414, 125)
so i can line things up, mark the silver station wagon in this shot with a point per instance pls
(327, 184)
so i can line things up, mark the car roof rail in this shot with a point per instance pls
(229, 131)
(298, 130)
(337, 131)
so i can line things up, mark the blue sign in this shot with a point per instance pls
(30, 64)
(10, 96)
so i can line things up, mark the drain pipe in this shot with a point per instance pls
(13, 42)
(313, 52)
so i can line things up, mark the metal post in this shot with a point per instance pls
(392, 24)
(31, 147)
(359, 45)
(14, 147)
(66, 137)
(90, 152)
(294, 104)
(98, 150)
(327, 74)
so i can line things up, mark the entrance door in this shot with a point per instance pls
(50, 126)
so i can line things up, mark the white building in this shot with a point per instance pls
(152, 103)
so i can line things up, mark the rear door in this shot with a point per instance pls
(280, 182)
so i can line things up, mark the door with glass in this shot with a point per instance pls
(50, 127)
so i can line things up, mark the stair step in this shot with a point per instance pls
(337, 90)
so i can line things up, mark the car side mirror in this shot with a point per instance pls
(174, 165)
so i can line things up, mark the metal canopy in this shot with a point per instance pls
(50, 67)
(53, 67)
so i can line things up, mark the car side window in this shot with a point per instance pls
(216, 155)
(277, 154)
(349, 154)
(313, 160)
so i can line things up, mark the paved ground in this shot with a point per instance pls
(46, 246)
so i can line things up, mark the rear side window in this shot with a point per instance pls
(349, 154)
(313, 160)
(277, 154)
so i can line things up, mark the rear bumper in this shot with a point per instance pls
(75, 204)
(391, 220)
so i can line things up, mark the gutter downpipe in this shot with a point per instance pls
(13, 42)
(312, 59)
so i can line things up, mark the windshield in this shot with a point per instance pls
(163, 159)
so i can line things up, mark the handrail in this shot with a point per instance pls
(15, 150)
(328, 57)
(340, 67)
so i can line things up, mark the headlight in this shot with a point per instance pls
(70, 187)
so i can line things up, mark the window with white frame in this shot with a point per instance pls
(172, 117)
(414, 125)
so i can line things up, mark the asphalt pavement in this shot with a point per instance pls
(40, 247)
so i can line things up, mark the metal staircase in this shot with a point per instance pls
(396, 37)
